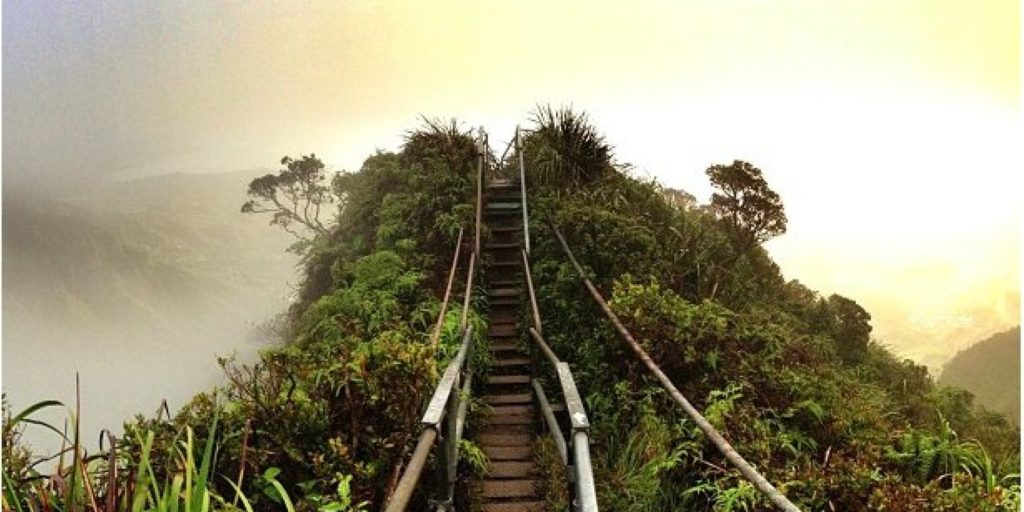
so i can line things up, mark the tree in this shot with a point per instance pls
(752, 211)
(680, 199)
(848, 324)
(294, 196)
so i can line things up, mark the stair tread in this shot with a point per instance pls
(512, 361)
(502, 330)
(511, 398)
(511, 409)
(510, 419)
(508, 379)
(511, 439)
(507, 347)
(514, 506)
(508, 488)
(503, 292)
(509, 452)
(510, 469)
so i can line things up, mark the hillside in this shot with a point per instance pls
(791, 378)
(990, 369)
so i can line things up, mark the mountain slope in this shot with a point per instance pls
(990, 369)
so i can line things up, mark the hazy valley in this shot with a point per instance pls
(137, 285)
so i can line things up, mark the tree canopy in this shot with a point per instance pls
(294, 196)
(752, 211)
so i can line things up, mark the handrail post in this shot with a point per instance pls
(522, 189)
(479, 188)
(586, 492)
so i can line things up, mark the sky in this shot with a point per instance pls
(890, 128)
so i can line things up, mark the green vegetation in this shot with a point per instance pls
(792, 379)
(990, 370)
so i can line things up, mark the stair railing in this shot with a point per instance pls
(747, 470)
(445, 416)
(579, 467)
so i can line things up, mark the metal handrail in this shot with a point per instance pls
(447, 292)
(585, 490)
(745, 468)
(522, 189)
(452, 394)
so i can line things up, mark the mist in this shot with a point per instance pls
(138, 286)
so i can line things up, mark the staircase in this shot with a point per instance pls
(509, 436)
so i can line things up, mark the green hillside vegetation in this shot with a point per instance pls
(990, 370)
(791, 378)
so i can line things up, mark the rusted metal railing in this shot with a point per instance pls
(448, 292)
(745, 468)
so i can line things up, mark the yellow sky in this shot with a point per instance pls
(889, 127)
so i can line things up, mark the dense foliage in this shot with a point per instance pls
(327, 419)
(791, 378)
(794, 380)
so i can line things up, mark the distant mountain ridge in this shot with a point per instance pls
(990, 369)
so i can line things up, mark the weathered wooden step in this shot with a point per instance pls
(512, 419)
(513, 398)
(501, 212)
(506, 440)
(508, 347)
(498, 203)
(509, 452)
(527, 429)
(499, 183)
(512, 263)
(502, 329)
(505, 229)
(510, 469)
(504, 301)
(508, 488)
(505, 410)
(508, 379)
(501, 246)
(503, 292)
(505, 283)
(511, 361)
(514, 506)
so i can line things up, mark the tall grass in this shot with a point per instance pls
(114, 480)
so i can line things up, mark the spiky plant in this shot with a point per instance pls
(564, 149)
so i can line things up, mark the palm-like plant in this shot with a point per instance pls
(564, 149)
